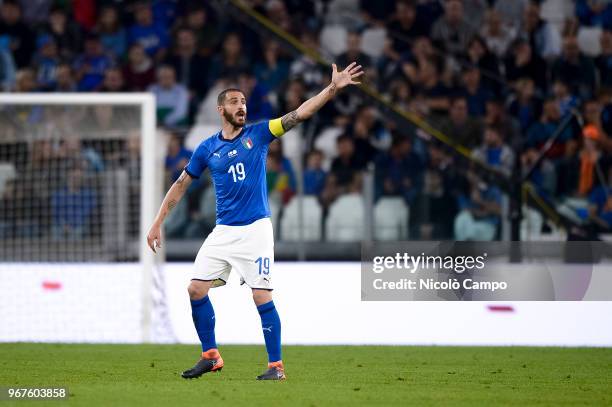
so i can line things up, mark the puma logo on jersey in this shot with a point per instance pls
(232, 154)
(217, 155)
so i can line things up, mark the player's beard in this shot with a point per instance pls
(232, 120)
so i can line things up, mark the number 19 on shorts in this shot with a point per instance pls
(264, 265)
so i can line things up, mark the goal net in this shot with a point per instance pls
(80, 180)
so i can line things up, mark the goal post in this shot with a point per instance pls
(151, 184)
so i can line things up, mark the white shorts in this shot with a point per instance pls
(247, 249)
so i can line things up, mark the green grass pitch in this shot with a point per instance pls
(148, 375)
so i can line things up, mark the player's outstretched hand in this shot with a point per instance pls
(154, 238)
(346, 77)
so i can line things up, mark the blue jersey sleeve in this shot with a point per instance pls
(263, 131)
(198, 162)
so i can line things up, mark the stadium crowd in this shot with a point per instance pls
(493, 75)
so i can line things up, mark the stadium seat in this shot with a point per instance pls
(345, 222)
(333, 39)
(326, 142)
(199, 133)
(275, 203)
(531, 225)
(208, 205)
(373, 42)
(589, 40)
(391, 219)
(7, 173)
(311, 226)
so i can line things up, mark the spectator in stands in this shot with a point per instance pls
(539, 133)
(191, 67)
(435, 208)
(276, 148)
(511, 11)
(113, 81)
(497, 116)
(230, 61)
(436, 93)
(7, 64)
(72, 207)
(276, 11)
(475, 93)
(540, 34)
(522, 62)
(399, 172)
(172, 98)
(524, 105)
(497, 35)
(544, 177)
(258, 103)
(304, 67)
(565, 99)
(346, 165)
(314, 174)
(580, 173)
(459, 126)
(66, 33)
(73, 154)
(603, 62)
(494, 152)
(22, 41)
(46, 62)
(405, 26)
(90, 66)
(65, 79)
(139, 71)
(278, 178)
(575, 68)
(480, 210)
(594, 12)
(452, 31)
(400, 93)
(478, 55)
(376, 13)
(199, 21)
(152, 36)
(112, 34)
(273, 69)
(25, 81)
(353, 52)
(369, 134)
(177, 158)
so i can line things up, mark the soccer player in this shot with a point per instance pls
(242, 238)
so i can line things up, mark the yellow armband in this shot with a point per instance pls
(276, 127)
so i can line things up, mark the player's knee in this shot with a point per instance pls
(197, 290)
(262, 296)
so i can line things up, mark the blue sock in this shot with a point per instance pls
(204, 320)
(271, 326)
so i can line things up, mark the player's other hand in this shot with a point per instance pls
(346, 77)
(154, 237)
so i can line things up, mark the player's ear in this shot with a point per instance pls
(220, 109)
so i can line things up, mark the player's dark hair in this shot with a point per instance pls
(221, 97)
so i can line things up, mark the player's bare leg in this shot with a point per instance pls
(204, 321)
(271, 327)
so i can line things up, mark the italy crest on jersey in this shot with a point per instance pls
(247, 142)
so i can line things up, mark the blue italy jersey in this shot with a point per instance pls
(238, 169)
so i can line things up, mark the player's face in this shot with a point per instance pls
(234, 109)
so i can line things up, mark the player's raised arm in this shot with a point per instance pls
(173, 196)
(339, 80)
